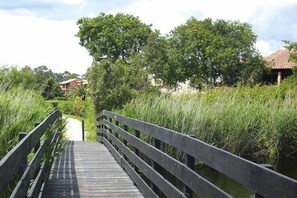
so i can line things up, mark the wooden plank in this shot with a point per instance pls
(263, 181)
(165, 186)
(143, 187)
(189, 177)
(14, 159)
(87, 169)
(21, 189)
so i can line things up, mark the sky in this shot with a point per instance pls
(42, 32)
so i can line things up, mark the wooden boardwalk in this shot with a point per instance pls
(87, 169)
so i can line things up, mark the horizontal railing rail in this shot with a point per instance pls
(121, 135)
(15, 165)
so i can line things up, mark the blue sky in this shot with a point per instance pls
(41, 32)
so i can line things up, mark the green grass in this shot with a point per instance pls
(258, 123)
(19, 109)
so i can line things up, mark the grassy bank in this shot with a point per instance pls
(258, 123)
(19, 109)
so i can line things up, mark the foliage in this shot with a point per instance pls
(66, 75)
(112, 36)
(51, 89)
(113, 84)
(19, 109)
(36, 79)
(82, 110)
(292, 46)
(23, 77)
(251, 122)
(81, 90)
(116, 43)
(207, 51)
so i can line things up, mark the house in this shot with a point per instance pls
(70, 84)
(280, 66)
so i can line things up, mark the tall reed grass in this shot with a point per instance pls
(259, 122)
(19, 109)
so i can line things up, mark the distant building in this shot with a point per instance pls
(280, 65)
(70, 84)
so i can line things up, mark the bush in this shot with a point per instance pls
(19, 109)
(251, 122)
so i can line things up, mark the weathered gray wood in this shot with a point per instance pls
(261, 180)
(21, 189)
(14, 160)
(165, 186)
(189, 177)
(87, 169)
(143, 187)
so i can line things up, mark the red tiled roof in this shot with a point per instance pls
(68, 81)
(280, 60)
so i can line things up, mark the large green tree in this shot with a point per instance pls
(112, 36)
(207, 52)
(116, 43)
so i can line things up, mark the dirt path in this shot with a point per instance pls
(73, 129)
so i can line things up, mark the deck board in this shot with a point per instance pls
(86, 169)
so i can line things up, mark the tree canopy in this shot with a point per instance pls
(126, 52)
(208, 52)
(116, 43)
(112, 36)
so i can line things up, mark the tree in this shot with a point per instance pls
(23, 77)
(114, 84)
(112, 36)
(116, 43)
(207, 52)
(51, 89)
(292, 46)
(42, 73)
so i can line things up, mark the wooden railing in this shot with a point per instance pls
(140, 159)
(15, 165)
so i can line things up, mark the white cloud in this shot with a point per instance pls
(165, 15)
(27, 40)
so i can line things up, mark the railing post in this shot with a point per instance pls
(190, 162)
(137, 135)
(116, 134)
(104, 126)
(110, 131)
(24, 160)
(83, 130)
(156, 166)
(38, 143)
(125, 142)
(99, 135)
(269, 166)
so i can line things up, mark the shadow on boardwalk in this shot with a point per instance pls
(87, 169)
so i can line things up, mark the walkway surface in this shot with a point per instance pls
(73, 129)
(87, 169)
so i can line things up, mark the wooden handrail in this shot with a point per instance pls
(261, 180)
(15, 161)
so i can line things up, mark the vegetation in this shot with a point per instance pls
(292, 46)
(112, 36)
(210, 52)
(257, 122)
(126, 51)
(114, 42)
(41, 79)
(81, 110)
(19, 109)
